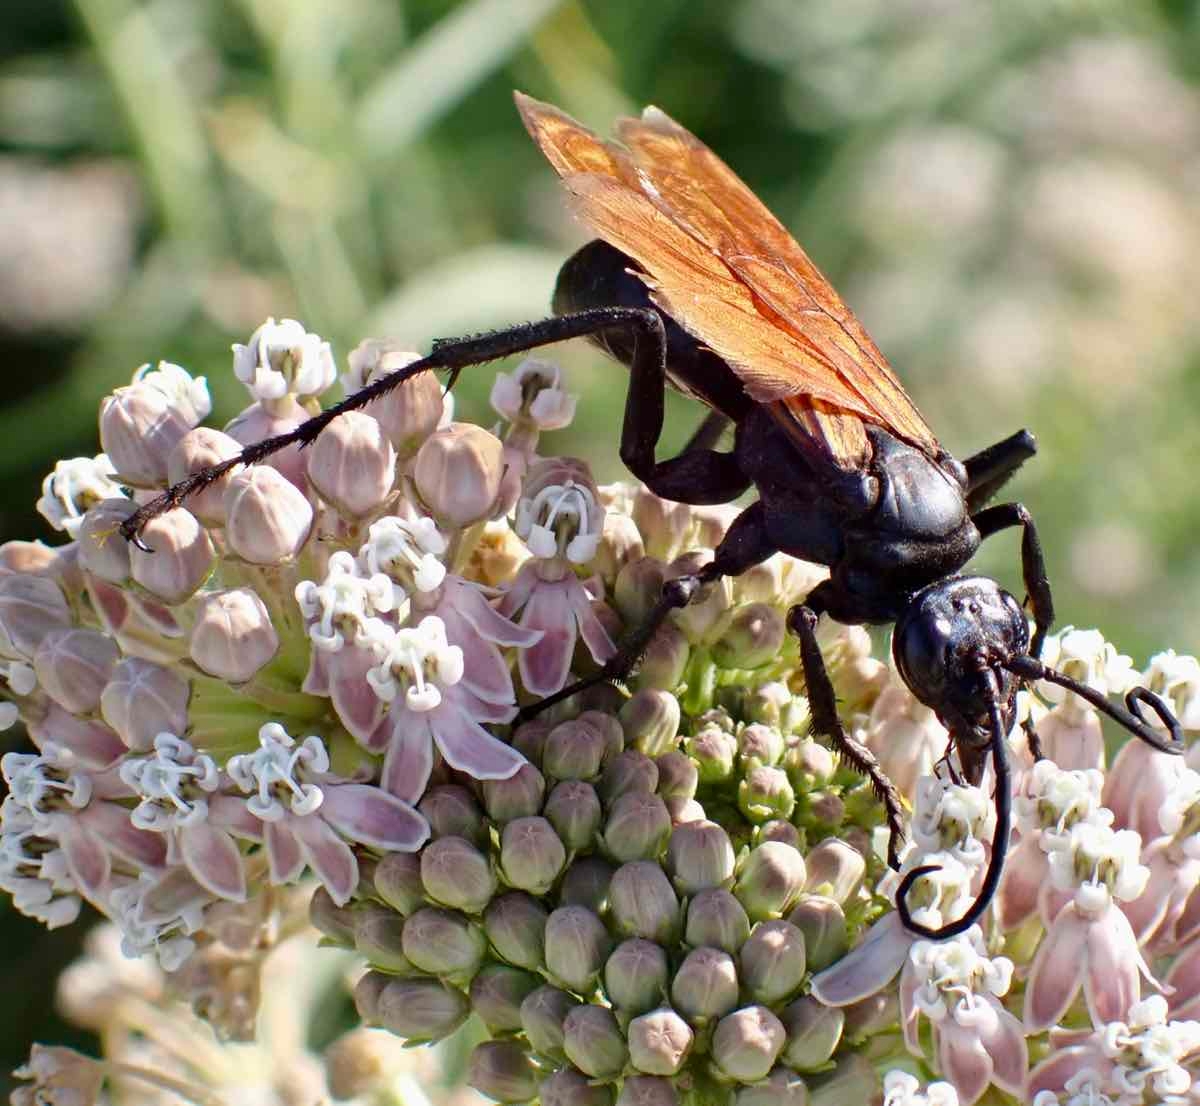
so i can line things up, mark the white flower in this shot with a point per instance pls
(417, 660)
(902, 1089)
(171, 784)
(953, 817)
(407, 550)
(561, 520)
(533, 392)
(1055, 800)
(1100, 864)
(1179, 815)
(73, 487)
(1176, 677)
(282, 358)
(1085, 656)
(276, 774)
(186, 393)
(340, 605)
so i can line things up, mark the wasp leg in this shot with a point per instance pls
(709, 432)
(1033, 564)
(990, 469)
(822, 703)
(1032, 740)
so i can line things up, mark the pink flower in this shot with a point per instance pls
(1137, 785)
(906, 737)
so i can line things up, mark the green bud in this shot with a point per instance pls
(677, 775)
(809, 765)
(637, 827)
(713, 751)
(531, 854)
(593, 1042)
(715, 918)
(770, 879)
(455, 873)
(497, 992)
(759, 744)
(700, 856)
(367, 990)
(515, 923)
(779, 830)
(378, 935)
(783, 1087)
(529, 739)
(665, 660)
(577, 944)
(628, 772)
(747, 1043)
(834, 869)
(635, 976)
(871, 1015)
(398, 882)
(771, 963)
(335, 922)
(542, 1015)
(642, 903)
(609, 725)
(452, 811)
(586, 884)
(574, 750)
(825, 809)
(853, 1080)
(814, 1031)
(684, 810)
(421, 1009)
(773, 704)
(504, 1071)
(637, 588)
(519, 796)
(647, 1090)
(650, 720)
(706, 985)
(823, 923)
(571, 1088)
(751, 638)
(573, 809)
(444, 943)
(766, 793)
(659, 1042)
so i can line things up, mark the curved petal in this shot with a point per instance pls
(364, 813)
(910, 1014)
(175, 895)
(1148, 911)
(868, 967)
(231, 812)
(488, 623)
(109, 824)
(591, 629)
(519, 591)
(1110, 983)
(1057, 970)
(316, 679)
(1184, 976)
(328, 856)
(213, 859)
(467, 746)
(1005, 1044)
(483, 710)
(964, 1061)
(1053, 1072)
(485, 673)
(283, 853)
(1024, 874)
(92, 742)
(87, 860)
(357, 705)
(544, 666)
(409, 759)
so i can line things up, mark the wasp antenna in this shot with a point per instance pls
(1132, 718)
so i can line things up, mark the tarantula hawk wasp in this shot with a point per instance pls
(691, 281)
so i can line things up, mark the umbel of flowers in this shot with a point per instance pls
(672, 892)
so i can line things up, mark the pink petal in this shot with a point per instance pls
(316, 679)
(1054, 1071)
(409, 759)
(1051, 902)
(109, 602)
(1187, 924)
(483, 710)
(87, 860)
(1136, 786)
(963, 1061)
(109, 824)
(1005, 1044)
(910, 1014)
(1072, 744)
(92, 742)
(519, 590)
(1024, 874)
(283, 852)
(230, 812)
(544, 666)
(467, 746)
(214, 860)
(485, 673)
(1184, 976)
(595, 636)
(368, 815)
(174, 894)
(1110, 984)
(357, 705)
(329, 857)
(471, 605)
(1057, 970)
(1147, 912)
(868, 967)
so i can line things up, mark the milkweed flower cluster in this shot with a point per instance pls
(310, 676)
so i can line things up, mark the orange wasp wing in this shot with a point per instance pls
(720, 264)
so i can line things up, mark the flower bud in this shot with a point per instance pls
(642, 903)
(647, 1090)
(352, 464)
(823, 924)
(456, 874)
(620, 543)
(574, 750)
(73, 666)
(444, 943)
(593, 1042)
(543, 1012)
(650, 720)
(519, 796)
(716, 919)
(635, 976)
(515, 924)
(531, 854)
(267, 518)
(529, 739)
(452, 811)
(771, 877)
(457, 474)
(808, 765)
(766, 793)
(705, 985)
(421, 1009)
(713, 751)
(604, 718)
(706, 615)
(752, 638)
(335, 922)
(853, 1079)
(361, 1062)
(783, 1087)
(773, 704)
(659, 1042)
(637, 588)
(142, 700)
(378, 935)
(637, 827)
(665, 660)
(826, 810)
(778, 830)
(139, 426)
(759, 744)
(503, 1071)
(747, 1043)
(871, 1015)
(577, 944)
(813, 1033)
(684, 810)
(834, 869)
(233, 635)
(700, 856)
(570, 1088)
(102, 550)
(408, 413)
(772, 962)
(199, 449)
(573, 809)
(398, 882)
(179, 558)
(261, 421)
(30, 607)
(627, 773)
(586, 883)
(497, 992)
(367, 990)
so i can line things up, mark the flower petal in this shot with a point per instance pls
(109, 824)
(519, 591)
(372, 817)
(409, 759)
(1110, 983)
(1024, 874)
(964, 1061)
(544, 666)
(592, 630)
(1057, 970)
(213, 859)
(488, 623)
(87, 860)
(1053, 1072)
(467, 746)
(283, 853)
(868, 967)
(316, 680)
(1005, 1044)
(328, 856)
(231, 812)
(1184, 976)
(356, 703)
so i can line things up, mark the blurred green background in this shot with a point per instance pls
(1006, 193)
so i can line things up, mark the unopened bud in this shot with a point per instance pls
(378, 935)
(452, 811)
(747, 1043)
(233, 635)
(650, 720)
(715, 918)
(102, 550)
(637, 588)
(677, 775)
(261, 421)
(813, 1033)
(637, 827)
(139, 426)
(700, 856)
(573, 809)
(142, 700)
(773, 704)
(367, 990)
(73, 666)
(503, 1071)
(659, 1042)
(421, 1009)
(826, 810)
(627, 773)
(635, 976)
(853, 1079)
(497, 992)
(648, 1090)
(457, 474)
(352, 464)
(604, 718)
(519, 796)
(684, 810)
(267, 518)
(871, 1015)
(335, 922)
(444, 943)
(577, 945)
(770, 879)
(783, 1087)
(705, 985)
(713, 751)
(543, 1012)
(361, 1062)
(642, 902)
(586, 883)
(570, 1088)
(456, 874)
(620, 543)
(529, 739)
(765, 793)
(515, 923)
(771, 963)
(665, 660)
(593, 1042)
(759, 744)
(834, 869)
(199, 449)
(778, 830)
(574, 750)
(706, 615)
(398, 882)
(30, 608)
(408, 413)
(531, 854)
(808, 765)
(823, 923)
(753, 637)
(179, 557)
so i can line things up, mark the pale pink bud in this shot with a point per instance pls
(102, 551)
(30, 607)
(199, 449)
(179, 557)
(139, 426)
(458, 472)
(74, 665)
(142, 700)
(267, 519)
(352, 464)
(233, 636)
(258, 422)
(408, 413)
(34, 557)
